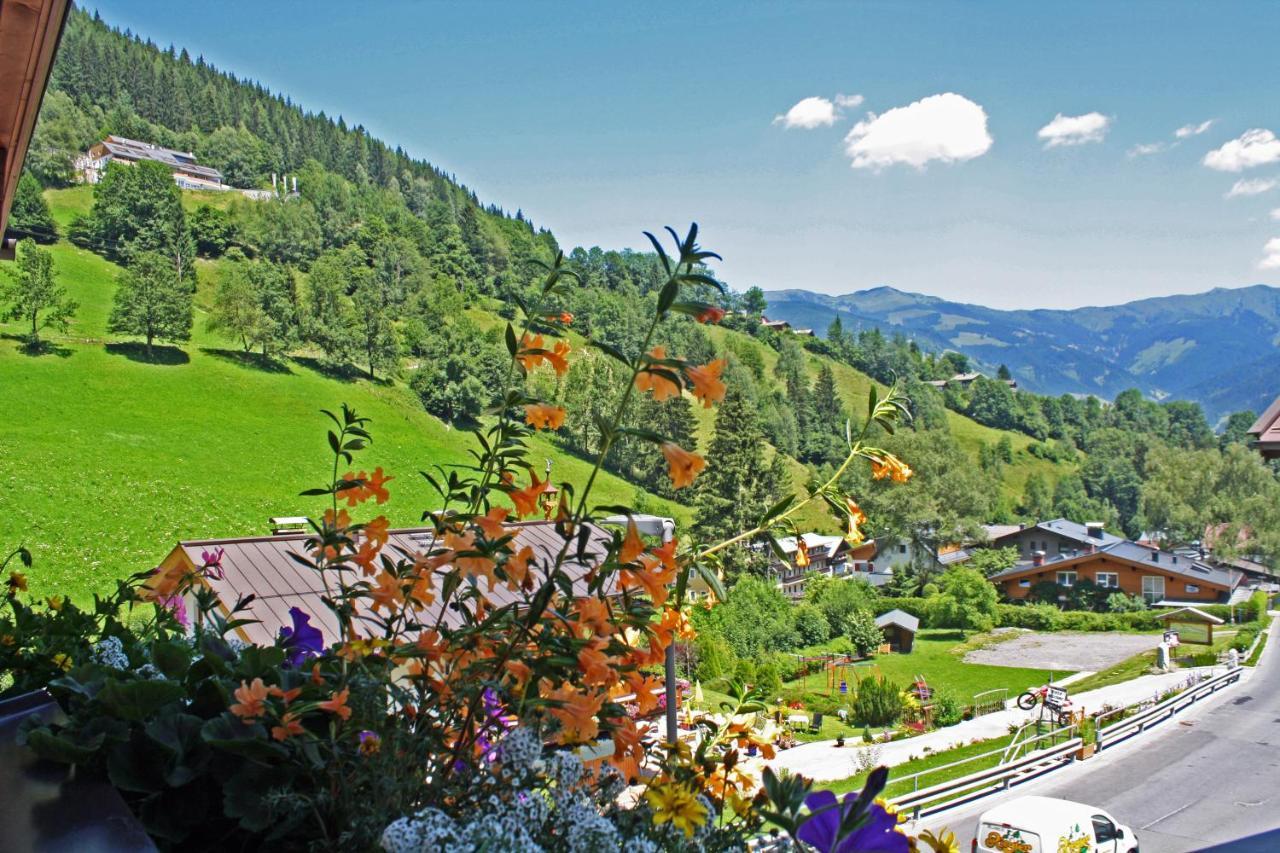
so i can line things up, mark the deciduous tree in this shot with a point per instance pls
(151, 301)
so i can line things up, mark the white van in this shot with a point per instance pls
(1047, 825)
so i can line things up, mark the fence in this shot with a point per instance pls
(989, 701)
(1137, 718)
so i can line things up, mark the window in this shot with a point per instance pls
(1066, 578)
(1192, 588)
(902, 548)
(1104, 831)
(1152, 588)
(1110, 580)
(1025, 583)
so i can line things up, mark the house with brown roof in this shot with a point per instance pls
(1266, 431)
(187, 173)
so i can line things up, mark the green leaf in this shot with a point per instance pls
(62, 748)
(513, 345)
(138, 700)
(171, 658)
(670, 291)
(229, 734)
(178, 733)
(610, 350)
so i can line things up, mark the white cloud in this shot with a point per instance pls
(849, 101)
(947, 127)
(1074, 130)
(1253, 186)
(1275, 214)
(1145, 150)
(1256, 147)
(1193, 129)
(808, 114)
(1270, 255)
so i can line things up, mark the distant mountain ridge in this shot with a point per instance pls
(1218, 348)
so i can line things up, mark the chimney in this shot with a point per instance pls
(1094, 528)
(1037, 558)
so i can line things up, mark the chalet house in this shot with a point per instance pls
(776, 325)
(964, 380)
(1266, 431)
(117, 149)
(1159, 577)
(825, 555)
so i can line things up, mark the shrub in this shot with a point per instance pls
(863, 633)
(947, 710)
(1243, 639)
(811, 625)
(1036, 617)
(878, 703)
(1084, 620)
(768, 679)
(1119, 602)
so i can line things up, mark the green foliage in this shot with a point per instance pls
(947, 709)
(812, 627)
(243, 159)
(989, 561)
(33, 295)
(460, 368)
(755, 618)
(254, 305)
(862, 631)
(878, 703)
(843, 601)
(1119, 602)
(968, 601)
(151, 301)
(138, 208)
(30, 212)
(212, 229)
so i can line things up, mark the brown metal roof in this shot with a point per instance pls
(29, 33)
(262, 566)
(1266, 429)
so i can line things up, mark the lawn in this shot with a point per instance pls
(108, 460)
(929, 761)
(1139, 664)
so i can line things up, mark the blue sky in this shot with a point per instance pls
(600, 120)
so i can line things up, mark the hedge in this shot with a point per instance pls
(1046, 617)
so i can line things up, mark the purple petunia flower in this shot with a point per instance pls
(302, 641)
(876, 833)
(177, 605)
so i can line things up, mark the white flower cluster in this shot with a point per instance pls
(110, 652)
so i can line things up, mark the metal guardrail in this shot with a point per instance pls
(1129, 726)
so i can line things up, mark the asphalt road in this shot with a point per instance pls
(1206, 779)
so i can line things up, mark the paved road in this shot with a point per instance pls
(1207, 779)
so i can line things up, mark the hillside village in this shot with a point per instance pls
(388, 485)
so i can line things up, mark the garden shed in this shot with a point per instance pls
(1191, 625)
(899, 629)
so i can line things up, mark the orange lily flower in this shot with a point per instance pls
(662, 387)
(544, 416)
(707, 387)
(377, 531)
(474, 565)
(566, 317)
(526, 499)
(490, 523)
(594, 613)
(666, 553)
(287, 695)
(685, 466)
(710, 314)
(251, 700)
(366, 558)
(337, 704)
(289, 727)
(387, 593)
(856, 519)
(558, 358)
(802, 553)
(355, 495)
(519, 672)
(644, 686)
(529, 353)
(890, 466)
(576, 712)
(597, 667)
(633, 545)
(627, 749)
(650, 577)
(517, 567)
(375, 486)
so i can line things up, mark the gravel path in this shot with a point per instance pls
(1065, 651)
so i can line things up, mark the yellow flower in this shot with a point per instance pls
(56, 602)
(675, 804)
(17, 582)
(62, 661)
(943, 842)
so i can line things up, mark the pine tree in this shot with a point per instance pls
(152, 301)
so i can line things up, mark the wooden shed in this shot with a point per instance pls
(899, 629)
(1191, 625)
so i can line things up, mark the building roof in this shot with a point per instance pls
(1190, 614)
(184, 161)
(1068, 530)
(263, 566)
(817, 543)
(29, 34)
(995, 531)
(901, 618)
(1135, 555)
(1266, 430)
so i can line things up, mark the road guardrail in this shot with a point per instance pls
(1120, 730)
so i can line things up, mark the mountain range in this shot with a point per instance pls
(1217, 348)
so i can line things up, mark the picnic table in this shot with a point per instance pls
(798, 719)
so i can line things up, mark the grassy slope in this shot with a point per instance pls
(106, 461)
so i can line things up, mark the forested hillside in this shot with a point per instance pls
(208, 328)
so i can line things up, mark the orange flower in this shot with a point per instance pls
(593, 613)
(685, 466)
(289, 726)
(647, 690)
(666, 553)
(337, 704)
(707, 387)
(355, 494)
(597, 667)
(802, 553)
(530, 352)
(251, 700)
(519, 672)
(544, 416)
(890, 466)
(661, 386)
(387, 593)
(163, 584)
(287, 695)
(366, 558)
(576, 712)
(376, 531)
(632, 546)
(628, 752)
(649, 576)
(517, 567)
(526, 499)
(490, 523)
(856, 519)
(375, 486)
(470, 564)
(558, 358)
(710, 314)
(339, 521)
(566, 317)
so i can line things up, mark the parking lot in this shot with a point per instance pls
(1062, 650)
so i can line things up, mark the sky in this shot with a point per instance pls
(1013, 155)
